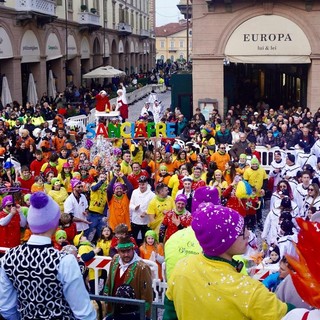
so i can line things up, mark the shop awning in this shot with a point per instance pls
(6, 51)
(29, 48)
(53, 50)
(269, 59)
(72, 48)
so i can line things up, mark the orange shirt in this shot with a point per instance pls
(146, 251)
(220, 160)
(119, 211)
(170, 166)
(59, 143)
(35, 188)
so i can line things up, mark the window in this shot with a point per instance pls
(121, 14)
(126, 18)
(162, 44)
(96, 5)
(70, 5)
(132, 19)
(162, 58)
(171, 44)
(113, 13)
(181, 43)
(172, 58)
(105, 11)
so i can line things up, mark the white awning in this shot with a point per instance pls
(121, 47)
(29, 48)
(269, 59)
(6, 51)
(72, 47)
(268, 39)
(85, 48)
(53, 50)
(106, 48)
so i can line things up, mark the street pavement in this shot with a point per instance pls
(135, 109)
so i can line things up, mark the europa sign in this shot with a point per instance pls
(268, 39)
(132, 130)
(263, 37)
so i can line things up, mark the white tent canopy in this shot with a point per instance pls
(5, 92)
(32, 90)
(104, 72)
(52, 91)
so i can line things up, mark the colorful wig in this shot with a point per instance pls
(243, 190)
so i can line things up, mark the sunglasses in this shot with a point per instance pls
(283, 186)
(9, 205)
(310, 189)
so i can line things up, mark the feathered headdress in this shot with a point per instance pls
(306, 275)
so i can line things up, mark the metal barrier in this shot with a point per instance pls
(154, 310)
(140, 303)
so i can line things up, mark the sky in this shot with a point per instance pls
(167, 11)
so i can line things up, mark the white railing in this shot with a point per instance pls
(47, 7)
(89, 18)
(78, 121)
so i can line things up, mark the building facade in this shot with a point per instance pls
(72, 37)
(172, 41)
(246, 51)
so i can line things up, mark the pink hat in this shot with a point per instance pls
(7, 200)
(74, 182)
(181, 197)
(66, 165)
(216, 227)
(118, 184)
(43, 213)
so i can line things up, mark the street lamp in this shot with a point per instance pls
(66, 26)
(187, 32)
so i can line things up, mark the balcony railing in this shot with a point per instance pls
(88, 18)
(144, 33)
(46, 7)
(124, 28)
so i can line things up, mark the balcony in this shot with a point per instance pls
(124, 28)
(42, 11)
(89, 21)
(145, 34)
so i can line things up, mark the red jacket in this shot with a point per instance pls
(26, 184)
(233, 202)
(36, 165)
(101, 103)
(10, 234)
(134, 178)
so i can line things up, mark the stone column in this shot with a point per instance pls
(313, 98)
(208, 80)
(12, 70)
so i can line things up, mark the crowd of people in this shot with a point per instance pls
(133, 209)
